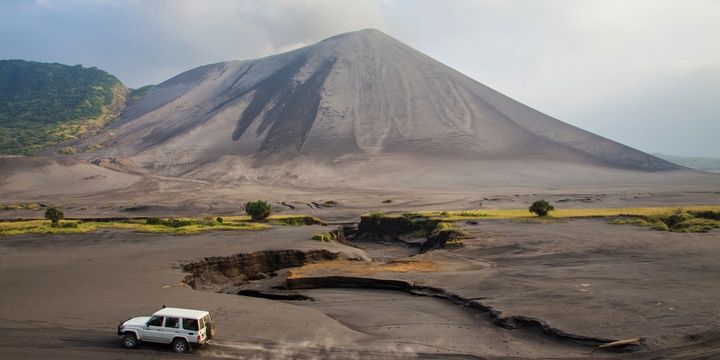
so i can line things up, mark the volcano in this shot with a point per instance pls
(352, 98)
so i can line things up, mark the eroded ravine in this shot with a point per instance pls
(430, 324)
(269, 274)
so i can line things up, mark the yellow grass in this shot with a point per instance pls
(453, 215)
(45, 227)
(230, 223)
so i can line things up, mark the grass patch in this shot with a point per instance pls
(450, 229)
(377, 215)
(458, 215)
(177, 226)
(443, 226)
(454, 244)
(169, 226)
(680, 220)
(25, 206)
(294, 220)
(445, 235)
(325, 237)
(290, 220)
(693, 218)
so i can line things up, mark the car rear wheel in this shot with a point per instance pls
(129, 341)
(180, 345)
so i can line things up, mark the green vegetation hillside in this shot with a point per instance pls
(137, 94)
(42, 104)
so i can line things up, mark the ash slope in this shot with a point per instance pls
(352, 96)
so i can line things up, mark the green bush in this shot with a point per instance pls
(691, 221)
(541, 208)
(207, 221)
(54, 214)
(707, 214)
(411, 215)
(219, 220)
(177, 223)
(387, 201)
(153, 221)
(70, 225)
(258, 210)
(69, 150)
(443, 226)
(675, 220)
(298, 220)
(326, 237)
(697, 225)
(376, 214)
(319, 237)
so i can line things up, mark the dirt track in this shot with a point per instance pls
(63, 295)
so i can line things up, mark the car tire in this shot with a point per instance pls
(180, 345)
(129, 340)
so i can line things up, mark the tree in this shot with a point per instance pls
(258, 210)
(541, 208)
(54, 215)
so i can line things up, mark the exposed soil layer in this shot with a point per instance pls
(241, 268)
(273, 295)
(413, 231)
(384, 227)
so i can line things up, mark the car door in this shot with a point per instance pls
(153, 329)
(171, 328)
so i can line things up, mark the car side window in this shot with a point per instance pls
(171, 322)
(190, 324)
(155, 321)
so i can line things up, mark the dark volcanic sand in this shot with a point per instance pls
(62, 296)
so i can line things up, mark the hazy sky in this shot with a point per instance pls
(644, 73)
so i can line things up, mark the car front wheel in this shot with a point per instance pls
(180, 345)
(129, 341)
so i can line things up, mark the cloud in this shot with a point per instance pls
(287, 23)
(642, 72)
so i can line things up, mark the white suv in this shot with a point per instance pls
(180, 327)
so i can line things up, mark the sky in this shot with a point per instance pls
(645, 73)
